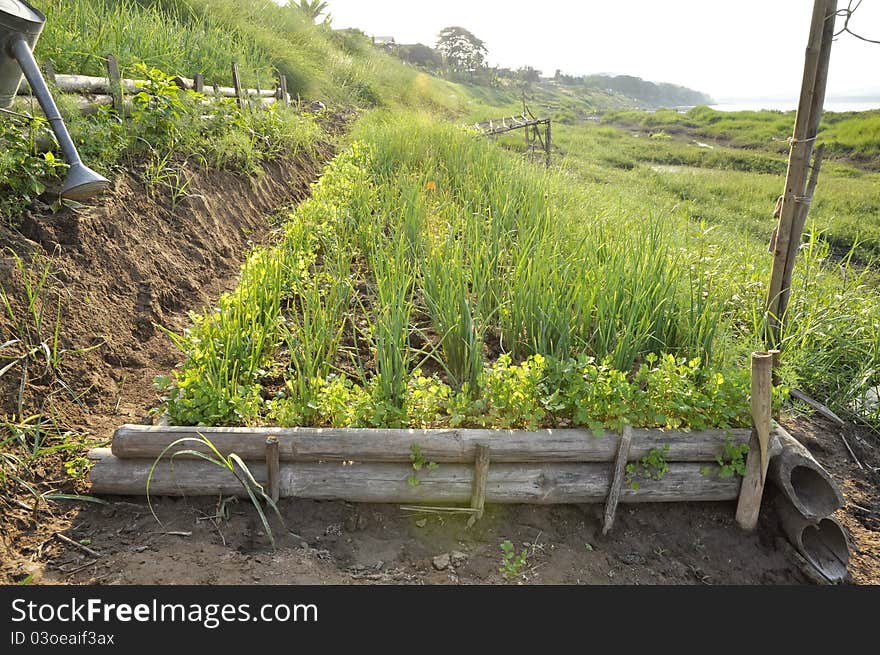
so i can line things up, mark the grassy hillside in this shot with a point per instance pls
(184, 37)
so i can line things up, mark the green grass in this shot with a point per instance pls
(185, 37)
(849, 135)
(726, 186)
(494, 292)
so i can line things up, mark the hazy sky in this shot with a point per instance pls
(729, 49)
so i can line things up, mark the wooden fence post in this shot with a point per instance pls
(49, 71)
(199, 83)
(282, 85)
(752, 489)
(547, 143)
(236, 83)
(115, 80)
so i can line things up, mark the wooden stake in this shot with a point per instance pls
(273, 468)
(617, 479)
(285, 98)
(199, 83)
(752, 489)
(115, 79)
(819, 407)
(49, 71)
(236, 84)
(481, 475)
(547, 143)
(806, 126)
(76, 544)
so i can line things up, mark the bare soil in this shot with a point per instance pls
(103, 254)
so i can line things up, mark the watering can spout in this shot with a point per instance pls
(20, 26)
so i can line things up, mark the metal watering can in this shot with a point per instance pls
(20, 27)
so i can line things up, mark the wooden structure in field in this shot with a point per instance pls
(469, 468)
(535, 140)
(114, 91)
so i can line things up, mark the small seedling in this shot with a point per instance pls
(512, 562)
(233, 463)
(732, 461)
(418, 463)
(652, 466)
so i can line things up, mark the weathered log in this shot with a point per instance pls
(804, 481)
(459, 446)
(387, 483)
(87, 104)
(88, 84)
(823, 544)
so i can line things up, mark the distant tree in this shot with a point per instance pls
(420, 55)
(312, 9)
(461, 49)
(529, 74)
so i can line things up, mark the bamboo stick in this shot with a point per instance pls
(438, 445)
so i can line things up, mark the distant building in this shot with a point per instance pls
(387, 43)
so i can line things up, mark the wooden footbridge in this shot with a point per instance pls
(535, 140)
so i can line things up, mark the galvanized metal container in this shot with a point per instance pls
(17, 20)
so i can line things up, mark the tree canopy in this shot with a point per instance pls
(312, 9)
(461, 49)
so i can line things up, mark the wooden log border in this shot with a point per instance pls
(437, 445)
(377, 482)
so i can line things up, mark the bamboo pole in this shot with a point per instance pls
(752, 490)
(823, 543)
(797, 230)
(801, 479)
(438, 445)
(805, 129)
